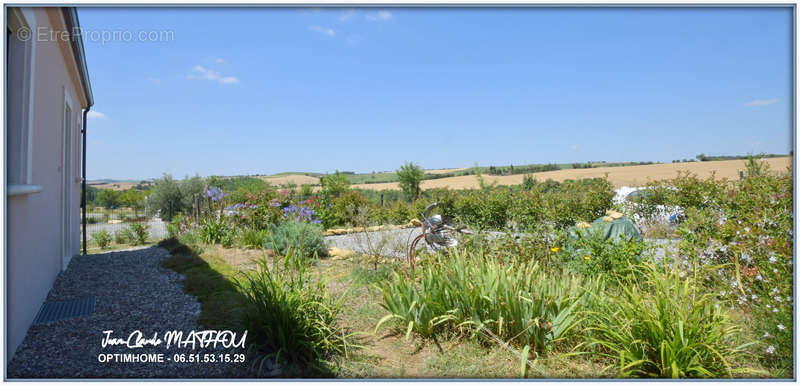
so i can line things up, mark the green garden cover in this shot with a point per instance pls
(615, 229)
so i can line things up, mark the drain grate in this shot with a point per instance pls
(54, 311)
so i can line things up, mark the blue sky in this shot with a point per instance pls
(263, 90)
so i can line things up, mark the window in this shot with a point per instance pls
(19, 96)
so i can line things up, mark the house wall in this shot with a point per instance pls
(34, 227)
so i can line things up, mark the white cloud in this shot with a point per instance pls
(219, 60)
(380, 16)
(96, 115)
(575, 146)
(325, 31)
(761, 102)
(200, 72)
(347, 15)
(153, 80)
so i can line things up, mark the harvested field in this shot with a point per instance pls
(619, 176)
(118, 186)
(286, 179)
(444, 170)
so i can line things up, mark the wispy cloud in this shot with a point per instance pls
(202, 73)
(348, 15)
(325, 31)
(153, 80)
(96, 115)
(575, 146)
(380, 16)
(761, 102)
(219, 60)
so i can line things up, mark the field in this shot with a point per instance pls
(296, 179)
(117, 186)
(618, 176)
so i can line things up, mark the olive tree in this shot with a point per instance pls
(411, 176)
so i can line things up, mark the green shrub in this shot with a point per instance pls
(139, 232)
(227, 239)
(101, 238)
(174, 226)
(253, 239)
(303, 237)
(516, 302)
(212, 231)
(124, 235)
(664, 324)
(588, 251)
(289, 316)
(750, 229)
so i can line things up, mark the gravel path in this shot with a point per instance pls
(133, 293)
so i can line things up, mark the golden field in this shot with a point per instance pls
(618, 176)
(444, 170)
(286, 179)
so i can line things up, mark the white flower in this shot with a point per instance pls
(734, 284)
(789, 299)
(781, 327)
(754, 297)
(766, 335)
(722, 293)
(775, 271)
(779, 299)
(772, 259)
(746, 257)
(769, 306)
(758, 277)
(774, 309)
(771, 349)
(775, 290)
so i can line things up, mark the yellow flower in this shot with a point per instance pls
(586, 258)
(554, 249)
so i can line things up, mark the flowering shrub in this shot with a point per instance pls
(213, 231)
(747, 225)
(301, 214)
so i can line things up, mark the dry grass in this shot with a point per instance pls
(118, 186)
(444, 170)
(619, 176)
(287, 179)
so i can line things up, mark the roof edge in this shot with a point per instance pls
(76, 42)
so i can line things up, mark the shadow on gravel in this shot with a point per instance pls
(218, 296)
(214, 283)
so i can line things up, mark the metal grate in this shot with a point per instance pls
(54, 311)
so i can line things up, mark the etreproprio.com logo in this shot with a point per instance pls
(102, 36)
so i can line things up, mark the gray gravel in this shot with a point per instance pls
(156, 228)
(390, 242)
(395, 242)
(133, 293)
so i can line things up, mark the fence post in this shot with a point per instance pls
(381, 199)
(741, 175)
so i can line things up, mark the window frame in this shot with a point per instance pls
(23, 18)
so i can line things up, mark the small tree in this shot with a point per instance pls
(166, 195)
(133, 199)
(411, 176)
(108, 198)
(334, 184)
